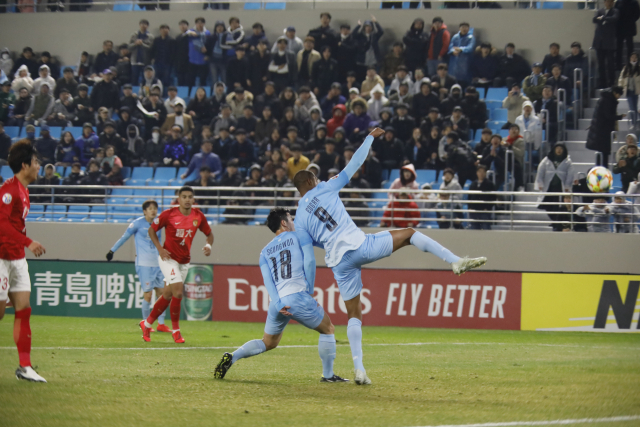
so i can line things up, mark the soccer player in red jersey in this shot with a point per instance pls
(181, 224)
(14, 271)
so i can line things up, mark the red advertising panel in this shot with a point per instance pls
(419, 298)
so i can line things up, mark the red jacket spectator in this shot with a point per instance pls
(402, 212)
(336, 120)
(439, 42)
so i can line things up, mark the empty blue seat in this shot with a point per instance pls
(393, 175)
(12, 131)
(495, 126)
(478, 136)
(60, 170)
(126, 172)
(493, 104)
(135, 89)
(503, 133)
(165, 173)
(550, 5)
(207, 89)
(275, 5)
(122, 6)
(75, 131)
(77, 212)
(158, 183)
(500, 114)
(183, 92)
(36, 211)
(147, 193)
(252, 6)
(6, 172)
(140, 175)
(425, 176)
(55, 132)
(497, 93)
(55, 212)
(97, 214)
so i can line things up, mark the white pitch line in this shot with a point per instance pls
(547, 423)
(315, 346)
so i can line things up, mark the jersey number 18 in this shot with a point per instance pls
(285, 265)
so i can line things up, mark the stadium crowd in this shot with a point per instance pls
(272, 109)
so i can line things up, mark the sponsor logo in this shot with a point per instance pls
(6, 198)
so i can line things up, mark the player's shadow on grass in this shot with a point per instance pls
(249, 382)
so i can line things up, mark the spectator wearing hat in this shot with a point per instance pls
(22, 79)
(125, 118)
(64, 111)
(533, 84)
(454, 99)
(297, 161)
(324, 73)
(83, 106)
(294, 43)
(129, 100)
(338, 116)
(238, 99)
(161, 55)
(238, 75)
(513, 103)
(377, 102)
(316, 143)
(26, 59)
(68, 82)
(46, 145)
(424, 101)
(7, 101)
(231, 177)
(105, 59)
(461, 50)
(305, 59)
(259, 61)
(268, 98)
(407, 180)
(416, 39)
(45, 77)
(474, 108)
(371, 80)
(367, 36)
(224, 120)
(513, 68)
(484, 67)
(109, 136)
(357, 121)
(105, 93)
(154, 112)
(140, 44)
(179, 118)
(391, 63)
(41, 105)
(482, 211)
(403, 123)
(248, 121)
(175, 149)
(604, 42)
(6, 62)
(283, 68)
(438, 44)
(389, 149)
(353, 95)
(87, 144)
(401, 76)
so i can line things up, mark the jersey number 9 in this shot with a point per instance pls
(327, 219)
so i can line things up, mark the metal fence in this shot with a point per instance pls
(507, 210)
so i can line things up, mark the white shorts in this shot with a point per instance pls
(172, 271)
(14, 277)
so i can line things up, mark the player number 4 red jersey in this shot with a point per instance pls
(180, 231)
(14, 208)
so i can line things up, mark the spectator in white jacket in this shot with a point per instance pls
(402, 76)
(555, 175)
(377, 102)
(45, 77)
(530, 125)
(22, 79)
(294, 43)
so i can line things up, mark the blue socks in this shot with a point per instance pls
(251, 348)
(146, 309)
(327, 351)
(354, 333)
(425, 244)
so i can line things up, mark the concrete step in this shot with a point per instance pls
(623, 105)
(577, 135)
(623, 125)
(582, 156)
(587, 113)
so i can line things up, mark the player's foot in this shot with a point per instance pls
(223, 366)
(164, 328)
(146, 332)
(29, 374)
(142, 327)
(333, 379)
(465, 264)
(362, 378)
(177, 337)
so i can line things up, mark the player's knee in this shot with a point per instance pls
(270, 344)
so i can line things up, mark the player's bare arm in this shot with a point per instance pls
(207, 248)
(165, 255)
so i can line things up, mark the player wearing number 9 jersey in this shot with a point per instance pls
(288, 269)
(14, 271)
(322, 215)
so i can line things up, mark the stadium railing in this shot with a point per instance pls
(251, 205)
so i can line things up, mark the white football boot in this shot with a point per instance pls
(465, 264)
(362, 378)
(29, 374)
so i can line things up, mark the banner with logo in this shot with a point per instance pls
(419, 298)
(580, 302)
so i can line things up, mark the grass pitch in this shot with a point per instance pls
(101, 373)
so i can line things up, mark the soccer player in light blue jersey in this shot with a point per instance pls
(146, 259)
(288, 268)
(322, 215)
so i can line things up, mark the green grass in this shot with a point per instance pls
(496, 376)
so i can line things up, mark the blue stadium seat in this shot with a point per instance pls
(550, 5)
(77, 213)
(97, 214)
(158, 183)
(393, 175)
(616, 185)
(55, 132)
(183, 92)
(147, 193)
(478, 136)
(140, 175)
(252, 6)
(126, 172)
(425, 176)
(275, 5)
(503, 133)
(497, 93)
(165, 173)
(121, 213)
(495, 126)
(35, 212)
(379, 205)
(60, 170)
(75, 131)
(500, 114)
(55, 213)
(493, 104)
(6, 172)
(12, 131)
(207, 89)
(120, 6)
(135, 89)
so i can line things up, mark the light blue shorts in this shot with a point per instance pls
(304, 309)
(348, 272)
(150, 277)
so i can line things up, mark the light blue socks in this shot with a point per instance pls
(354, 333)
(249, 349)
(425, 244)
(327, 351)
(146, 309)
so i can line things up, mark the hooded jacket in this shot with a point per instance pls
(6, 64)
(20, 82)
(513, 103)
(598, 216)
(459, 66)
(395, 83)
(401, 213)
(400, 182)
(374, 106)
(416, 41)
(335, 121)
(353, 122)
(133, 147)
(553, 165)
(365, 42)
(40, 80)
(603, 123)
(531, 128)
(303, 110)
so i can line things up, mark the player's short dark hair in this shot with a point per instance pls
(20, 153)
(275, 218)
(185, 188)
(148, 203)
(301, 177)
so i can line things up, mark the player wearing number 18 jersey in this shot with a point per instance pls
(323, 216)
(181, 224)
(14, 271)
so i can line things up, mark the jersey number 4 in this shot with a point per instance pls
(285, 265)
(327, 219)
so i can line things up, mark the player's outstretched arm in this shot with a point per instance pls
(309, 259)
(361, 154)
(130, 231)
(271, 287)
(164, 254)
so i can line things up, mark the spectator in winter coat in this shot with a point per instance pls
(248, 121)
(513, 103)
(553, 57)
(444, 79)
(224, 120)
(630, 82)
(162, 54)
(324, 35)
(305, 102)
(371, 81)
(407, 180)
(323, 73)
(424, 101)
(339, 114)
(417, 150)
(149, 82)
(198, 66)
(530, 125)
(458, 123)
(460, 158)
(417, 42)
(205, 158)
(219, 52)
(484, 67)
(6, 63)
(175, 150)
(66, 151)
(297, 161)
(453, 100)
(154, 149)
(629, 167)
(105, 93)
(403, 123)
(265, 125)
(433, 119)
(27, 60)
(493, 157)
(461, 50)
(555, 175)
(63, 110)
(513, 68)
(402, 212)
(533, 84)
(94, 177)
(140, 44)
(357, 121)
(105, 59)
(401, 96)
(238, 70)
(294, 43)
(597, 214)
(242, 149)
(377, 102)
(621, 154)
(438, 44)
(305, 59)
(626, 215)
(626, 28)
(450, 183)
(66, 82)
(22, 79)
(283, 68)
(604, 121)
(401, 76)
(46, 145)
(325, 159)
(558, 81)
(179, 118)
(259, 61)
(200, 108)
(577, 59)
(172, 99)
(482, 214)
(394, 59)
(45, 77)
(389, 149)
(123, 67)
(132, 153)
(474, 108)
(333, 98)
(515, 142)
(604, 42)
(41, 106)
(548, 102)
(237, 100)
(366, 38)
(87, 144)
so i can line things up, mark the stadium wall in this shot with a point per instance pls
(65, 35)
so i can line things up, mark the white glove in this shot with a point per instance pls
(166, 160)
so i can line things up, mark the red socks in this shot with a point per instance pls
(22, 335)
(158, 308)
(175, 313)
